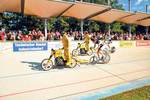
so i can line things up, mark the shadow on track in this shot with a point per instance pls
(37, 66)
(34, 65)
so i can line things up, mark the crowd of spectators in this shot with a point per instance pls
(37, 35)
(127, 36)
(21, 36)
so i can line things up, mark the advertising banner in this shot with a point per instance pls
(126, 44)
(143, 43)
(30, 46)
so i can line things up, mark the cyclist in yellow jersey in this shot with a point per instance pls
(66, 46)
(87, 41)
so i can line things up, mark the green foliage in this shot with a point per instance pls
(137, 94)
(116, 27)
(14, 21)
(96, 27)
(133, 28)
(51, 23)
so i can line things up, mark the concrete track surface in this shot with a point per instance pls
(21, 77)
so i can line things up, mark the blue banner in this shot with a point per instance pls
(30, 46)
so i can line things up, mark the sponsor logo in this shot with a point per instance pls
(126, 44)
(30, 46)
(143, 43)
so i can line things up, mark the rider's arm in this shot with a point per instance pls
(52, 53)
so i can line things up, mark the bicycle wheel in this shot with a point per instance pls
(75, 52)
(113, 49)
(46, 65)
(73, 63)
(106, 58)
(93, 60)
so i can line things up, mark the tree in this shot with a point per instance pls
(51, 23)
(116, 27)
(15, 21)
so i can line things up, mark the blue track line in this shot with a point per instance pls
(115, 90)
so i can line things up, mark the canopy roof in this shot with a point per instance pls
(45, 8)
(41, 8)
(134, 17)
(144, 22)
(79, 10)
(110, 16)
(48, 8)
(82, 10)
(10, 5)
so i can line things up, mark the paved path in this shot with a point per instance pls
(21, 77)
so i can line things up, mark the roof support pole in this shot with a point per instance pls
(1, 20)
(22, 7)
(147, 28)
(108, 1)
(109, 29)
(45, 28)
(81, 27)
(129, 8)
(130, 29)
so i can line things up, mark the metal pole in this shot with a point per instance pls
(146, 8)
(45, 28)
(108, 2)
(129, 8)
(109, 30)
(22, 7)
(147, 28)
(0, 22)
(129, 29)
(82, 22)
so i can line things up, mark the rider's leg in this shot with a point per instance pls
(87, 47)
(108, 46)
(99, 52)
(67, 56)
(94, 45)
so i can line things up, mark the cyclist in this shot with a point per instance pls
(101, 44)
(87, 41)
(108, 40)
(66, 47)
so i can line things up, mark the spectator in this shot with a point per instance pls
(3, 35)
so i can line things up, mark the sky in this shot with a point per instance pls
(136, 5)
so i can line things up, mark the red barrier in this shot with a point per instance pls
(143, 43)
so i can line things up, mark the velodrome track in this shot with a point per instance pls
(21, 77)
